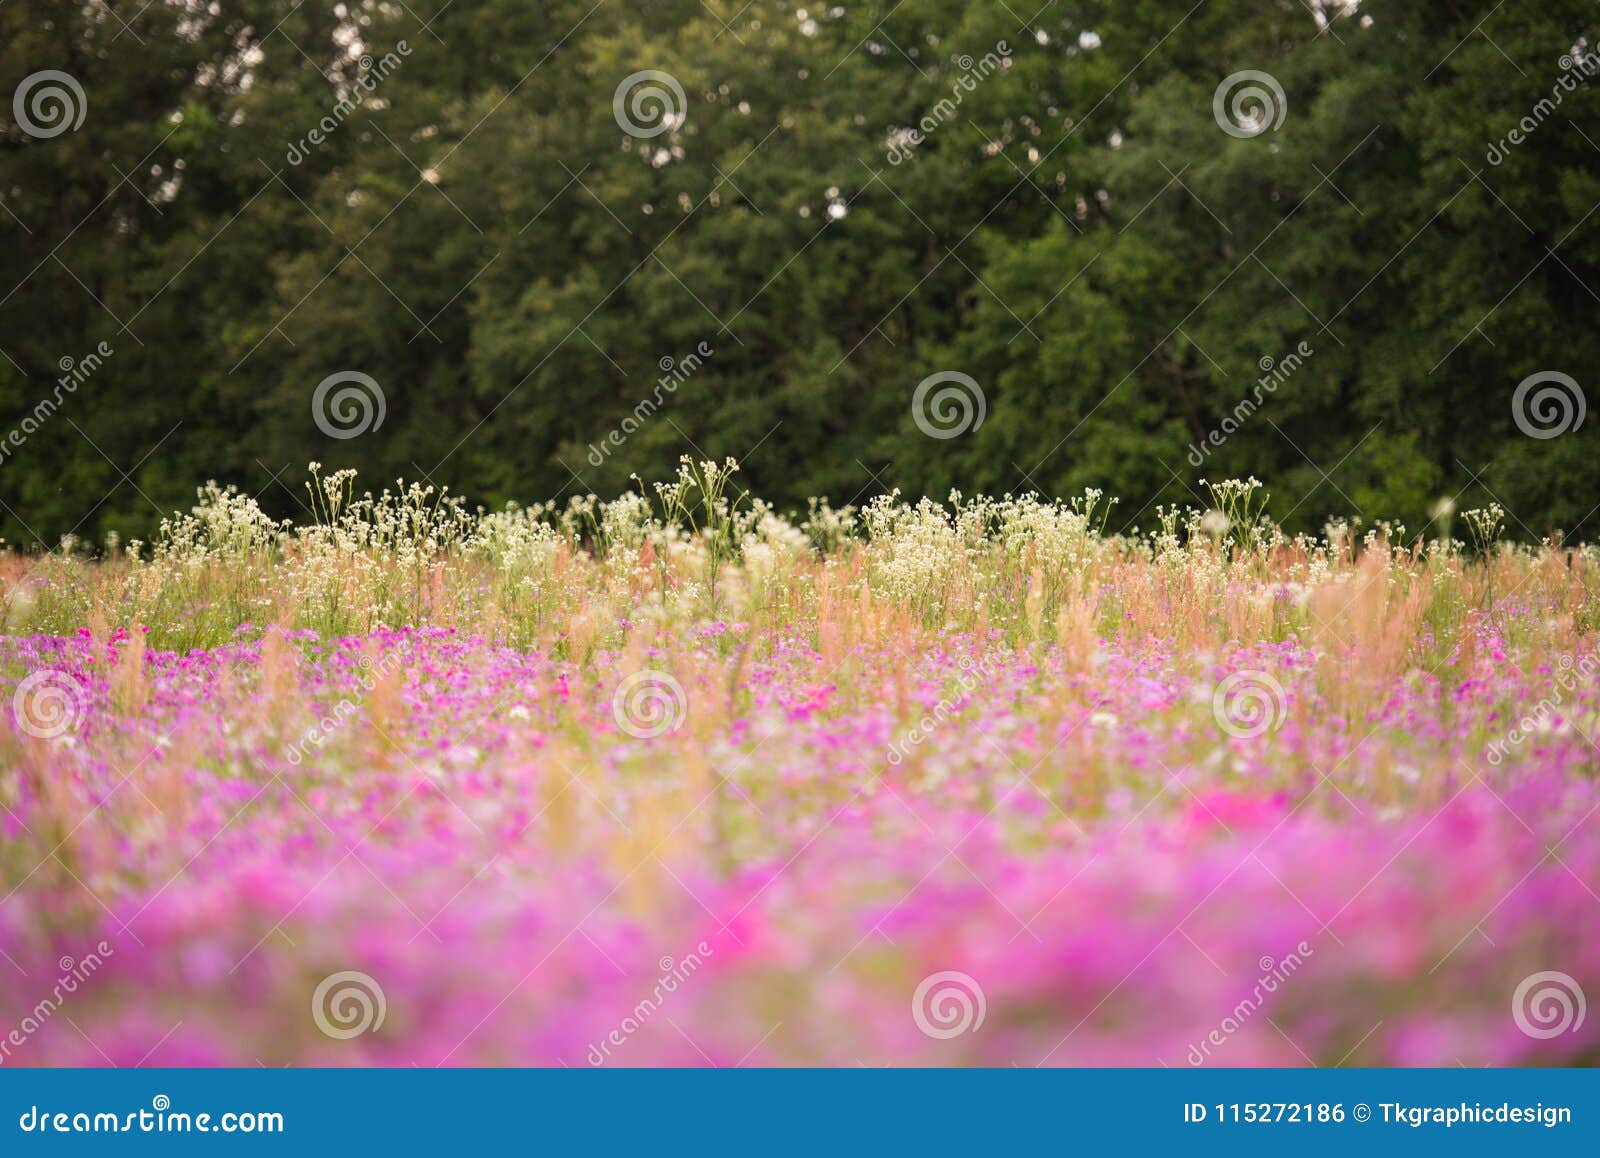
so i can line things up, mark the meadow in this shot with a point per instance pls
(675, 780)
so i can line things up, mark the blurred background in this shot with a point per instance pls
(1323, 244)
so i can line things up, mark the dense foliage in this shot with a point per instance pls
(479, 235)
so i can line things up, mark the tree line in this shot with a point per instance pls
(533, 250)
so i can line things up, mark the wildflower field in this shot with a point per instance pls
(674, 780)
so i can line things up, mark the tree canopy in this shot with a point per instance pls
(1350, 249)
